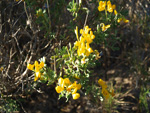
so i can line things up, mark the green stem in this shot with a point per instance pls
(106, 13)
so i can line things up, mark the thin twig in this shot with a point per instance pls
(86, 19)
(55, 65)
(49, 14)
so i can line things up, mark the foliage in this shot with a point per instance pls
(8, 105)
(143, 100)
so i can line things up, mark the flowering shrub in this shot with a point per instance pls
(70, 37)
(72, 64)
(75, 64)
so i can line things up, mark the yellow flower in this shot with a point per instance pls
(41, 64)
(114, 7)
(78, 86)
(104, 27)
(77, 43)
(76, 76)
(126, 21)
(36, 63)
(102, 83)
(70, 87)
(39, 13)
(109, 7)
(82, 39)
(76, 32)
(75, 85)
(29, 66)
(97, 55)
(112, 92)
(86, 37)
(81, 31)
(102, 5)
(81, 49)
(67, 81)
(37, 68)
(119, 20)
(92, 36)
(60, 81)
(2, 68)
(37, 76)
(59, 89)
(88, 48)
(86, 30)
(65, 84)
(75, 90)
(122, 20)
(83, 60)
(105, 93)
(75, 96)
(115, 12)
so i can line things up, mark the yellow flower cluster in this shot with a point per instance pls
(104, 27)
(122, 20)
(110, 7)
(83, 44)
(105, 92)
(65, 84)
(36, 67)
(97, 54)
